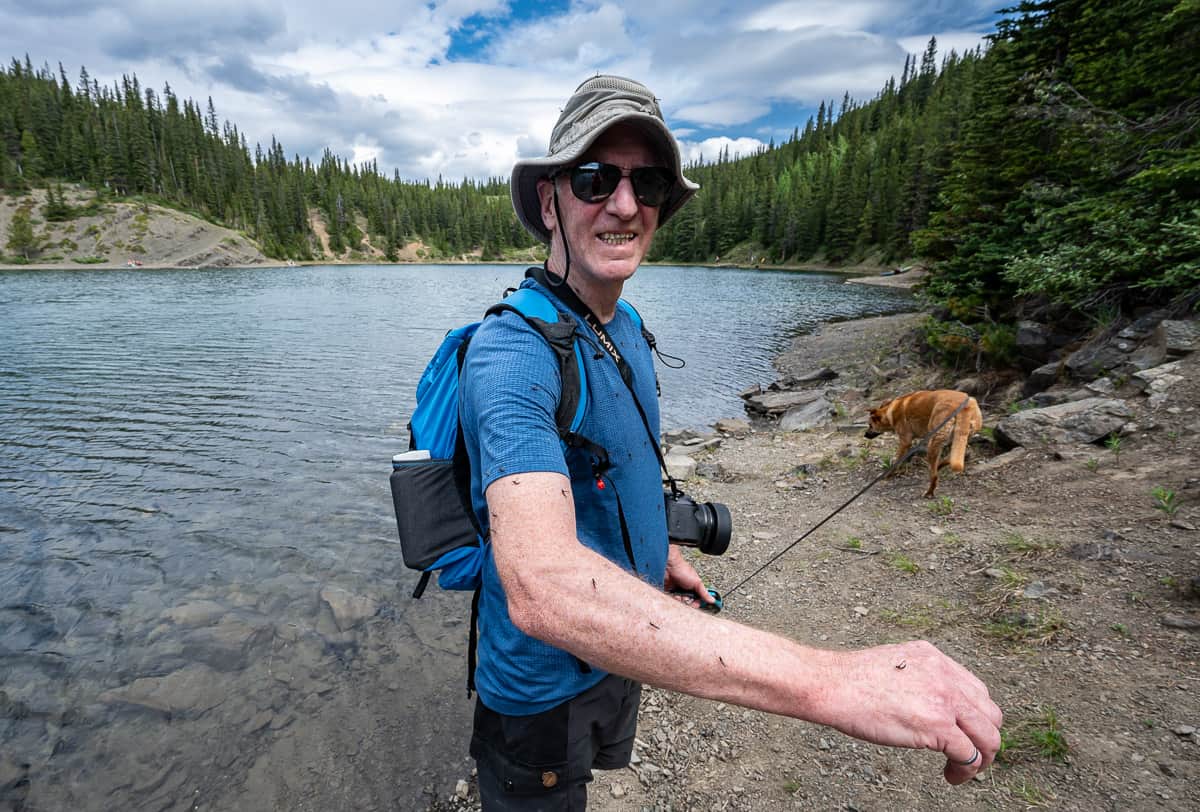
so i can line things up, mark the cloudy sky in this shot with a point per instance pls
(462, 88)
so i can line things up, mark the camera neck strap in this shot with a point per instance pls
(551, 281)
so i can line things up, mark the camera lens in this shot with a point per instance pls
(716, 526)
(705, 525)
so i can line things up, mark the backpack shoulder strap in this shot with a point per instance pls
(558, 329)
(632, 311)
(530, 303)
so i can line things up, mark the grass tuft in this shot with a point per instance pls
(1041, 736)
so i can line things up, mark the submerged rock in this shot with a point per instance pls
(348, 609)
(191, 690)
(195, 613)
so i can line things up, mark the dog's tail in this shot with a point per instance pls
(966, 423)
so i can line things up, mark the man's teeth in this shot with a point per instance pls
(616, 239)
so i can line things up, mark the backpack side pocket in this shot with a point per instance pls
(429, 512)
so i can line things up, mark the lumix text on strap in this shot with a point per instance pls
(558, 286)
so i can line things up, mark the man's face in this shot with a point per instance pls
(608, 239)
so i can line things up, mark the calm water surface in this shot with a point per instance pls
(201, 600)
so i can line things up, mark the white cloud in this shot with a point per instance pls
(710, 148)
(582, 39)
(724, 112)
(376, 82)
(797, 14)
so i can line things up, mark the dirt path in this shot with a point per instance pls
(1048, 572)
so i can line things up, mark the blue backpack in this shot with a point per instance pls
(431, 483)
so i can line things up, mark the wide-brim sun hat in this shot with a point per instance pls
(596, 105)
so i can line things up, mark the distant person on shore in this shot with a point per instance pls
(573, 616)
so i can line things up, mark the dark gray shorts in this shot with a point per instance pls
(545, 761)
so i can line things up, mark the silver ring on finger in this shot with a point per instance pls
(974, 757)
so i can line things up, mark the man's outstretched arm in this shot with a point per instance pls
(559, 591)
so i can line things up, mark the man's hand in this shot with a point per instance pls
(682, 576)
(912, 695)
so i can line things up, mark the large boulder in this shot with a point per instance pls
(1042, 378)
(1156, 381)
(1037, 344)
(811, 376)
(1032, 344)
(1178, 337)
(773, 404)
(1159, 378)
(1150, 354)
(1081, 421)
(808, 416)
(1148, 342)
(1097, 358)
(732, 425)
(1144, 326)
(680, 466)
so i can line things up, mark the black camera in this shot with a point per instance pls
(706, 525)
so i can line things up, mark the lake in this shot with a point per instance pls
(193, 473)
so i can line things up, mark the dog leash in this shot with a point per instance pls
(916, 447)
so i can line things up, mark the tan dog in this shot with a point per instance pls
(913, 416)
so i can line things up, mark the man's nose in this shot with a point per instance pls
(623, 202)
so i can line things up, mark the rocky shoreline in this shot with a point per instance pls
(1062, 570)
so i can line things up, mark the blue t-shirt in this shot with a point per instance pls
(510, 386)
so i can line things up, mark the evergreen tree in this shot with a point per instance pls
(31, 159)
(21, 239)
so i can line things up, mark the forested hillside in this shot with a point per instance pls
(131, 141)
(1059, 169)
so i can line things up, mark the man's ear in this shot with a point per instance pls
(545, 189)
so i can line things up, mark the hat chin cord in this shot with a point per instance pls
(553, 278)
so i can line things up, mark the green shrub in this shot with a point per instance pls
(903, 563)
(1165, 500)
(998, 342)
(953, 343)
(975, 343)
(941, 506)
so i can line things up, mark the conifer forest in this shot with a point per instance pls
(1056, 170)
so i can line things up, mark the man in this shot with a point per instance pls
(573, 616)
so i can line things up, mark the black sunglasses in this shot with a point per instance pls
(594, 181)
